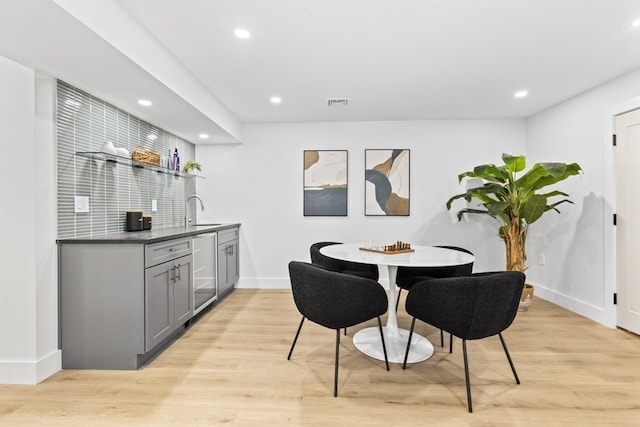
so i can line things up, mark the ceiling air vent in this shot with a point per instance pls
(338, 102)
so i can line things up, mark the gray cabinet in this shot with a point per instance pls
(168, 302)
(120, 303)
(228, 259)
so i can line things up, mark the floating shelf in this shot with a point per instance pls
(105, 157)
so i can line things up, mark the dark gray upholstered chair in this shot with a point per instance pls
(369, 271)
(408, 276)
(470, 307)
(335, 300)
(347, 267)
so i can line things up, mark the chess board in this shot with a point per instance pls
(381, 251)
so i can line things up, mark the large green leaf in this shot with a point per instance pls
(553, 205)
(555, 169)
(452, 199)
(544, 174)
(571, 169)
(533, 209)
(469, 174)
(461, 212)
(487, 193)
(492, 173)
(496, 208)
(514, 162)
(554, 193)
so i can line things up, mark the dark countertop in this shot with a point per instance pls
(150, 236)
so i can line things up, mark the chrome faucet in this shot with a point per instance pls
(186, 208)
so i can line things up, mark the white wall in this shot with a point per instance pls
(28, 283)
(48, 356)
(259, 183)
(580, 241)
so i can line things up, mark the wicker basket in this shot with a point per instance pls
(145, 155)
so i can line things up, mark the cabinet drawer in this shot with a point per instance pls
(157, 253)
(228, 235)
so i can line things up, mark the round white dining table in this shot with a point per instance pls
(368, 340)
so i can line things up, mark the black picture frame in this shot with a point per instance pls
(387, 183)
(325, 182)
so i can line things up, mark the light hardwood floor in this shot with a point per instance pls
(231, 368)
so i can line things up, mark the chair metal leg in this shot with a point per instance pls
(335, 375)
(450, 343)
(406, 354)
(441, 338)
(398, 299)
(513, 369)
(384, 347)
(295, 339)
(466, 374)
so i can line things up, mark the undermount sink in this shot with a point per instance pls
(205, 225)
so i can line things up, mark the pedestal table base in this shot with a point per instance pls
(368, 341)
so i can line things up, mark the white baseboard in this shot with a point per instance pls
(597, 314)
(590, 311)
(263, 283)
(277, 283)
(34, 372)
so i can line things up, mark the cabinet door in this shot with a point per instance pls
(234, 260)
(182, 291)
(223, 269)
(158, 307)
(227, 265)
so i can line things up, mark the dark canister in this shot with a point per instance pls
(146, 222)
(134, 220)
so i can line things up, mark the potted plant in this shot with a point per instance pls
(192, 167)
(513, 200)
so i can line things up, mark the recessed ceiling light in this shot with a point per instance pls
(521, 94)
(144, 102)
(636, 23)
(241, 33)
(203, 136)
(275, 100)
(152, 136)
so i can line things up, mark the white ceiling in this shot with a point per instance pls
(394, 59)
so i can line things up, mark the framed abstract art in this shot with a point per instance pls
(325, 182)
(386, 183)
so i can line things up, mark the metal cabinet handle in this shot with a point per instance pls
(173, 273)
(179, 276)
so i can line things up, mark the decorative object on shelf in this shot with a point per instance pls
(192, 167)
(175, 165)
(109, 148)
(513, 201)
(100, 156)
(146, 155)
(399, 247)
(386, 182)
(325, 183)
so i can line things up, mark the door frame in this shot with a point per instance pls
(609, 183)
